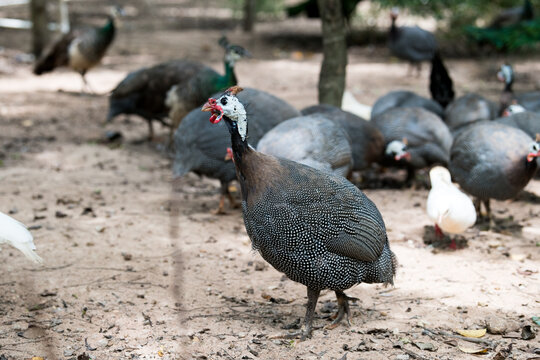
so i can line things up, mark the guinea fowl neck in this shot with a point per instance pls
(508, 87)
(239, 145)
(393, 29)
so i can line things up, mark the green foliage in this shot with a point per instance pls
(525, 33)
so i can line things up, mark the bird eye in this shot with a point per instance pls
(223, 101)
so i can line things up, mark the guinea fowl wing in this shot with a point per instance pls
(335, 214)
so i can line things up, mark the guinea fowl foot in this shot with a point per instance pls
(343, 309)
(221, 208)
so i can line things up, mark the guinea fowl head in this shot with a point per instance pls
(513, 108)
(534, 150)
(398, 150)
(394, 13)
(438, 175)
(506, 74)
(228, 106)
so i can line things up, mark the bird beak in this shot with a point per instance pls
(216, 110)
(532, 155)
(405, 156)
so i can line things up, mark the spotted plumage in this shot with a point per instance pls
(316, 227)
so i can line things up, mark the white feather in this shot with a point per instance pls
(17, 235)
(350, 104)
(447, 206)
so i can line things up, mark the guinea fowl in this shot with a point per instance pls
(80, 49)
(193, 91)
(527, 121)
(411, 43)
(314, 226)
(428, 138)
(16, 234)
(440, 83)
(450, 209)
(367, 142)
(143, 92)
(468, 109)
(312, 140)
(490, 160)
(201, 148)
(528, 100)
(405, 98)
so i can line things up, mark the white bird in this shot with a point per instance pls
(350, 104)
(451, 210)
(17, 235)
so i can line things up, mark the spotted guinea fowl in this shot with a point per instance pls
(312, 140)
(16, 234)
(314, 226)
(143, 92)
(450, 209)
(441, 85)
(468, 109)
(528, 100)
(79, 49)
(490, 160)
(428, 137)
(410, 43)
(527, 121)
(405, 98)
(367, 142)
(201, 147)
(193, 91)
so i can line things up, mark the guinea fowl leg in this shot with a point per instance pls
(86, 85)
(223, 192)
(150, 131)
(313, 296)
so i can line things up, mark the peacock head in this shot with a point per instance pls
(534, 150)
(506, 74)
(233, 53)
(398, 150)
(229, 106)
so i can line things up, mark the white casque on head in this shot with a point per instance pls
(234, 110)
(506, 73)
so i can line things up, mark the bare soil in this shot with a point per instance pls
(125, 277)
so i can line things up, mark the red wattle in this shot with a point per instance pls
(214, 119)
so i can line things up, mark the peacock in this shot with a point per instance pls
(79, 49)
(143, 91)
(193, 91)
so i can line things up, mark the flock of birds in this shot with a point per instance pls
(300, 211)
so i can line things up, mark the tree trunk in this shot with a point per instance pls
(332, 75)
(38, 13)
(250, 14)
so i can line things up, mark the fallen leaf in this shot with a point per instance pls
(472, 333)
(472, 349)
(27, 123)
(37, 358)
(160, 353)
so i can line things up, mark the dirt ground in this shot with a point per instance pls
(125, 279)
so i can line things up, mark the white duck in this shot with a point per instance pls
(16, 234)
(451, 210)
